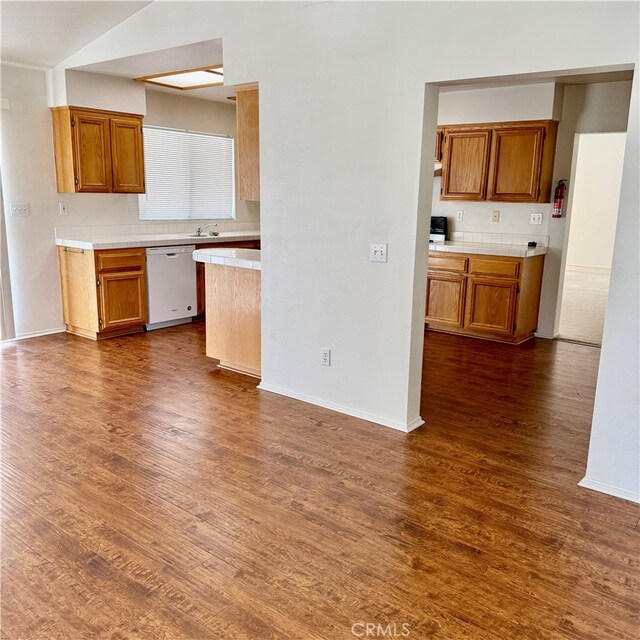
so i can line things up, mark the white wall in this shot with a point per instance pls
(28, 174)
(496, 104)
(596, 194)
(331, 183)
(614, 463)
(100, 91)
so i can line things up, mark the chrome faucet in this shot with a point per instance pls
(199, 230)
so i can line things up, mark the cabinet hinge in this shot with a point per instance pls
(75, 180)
(73, 122)
(518, 289)
(100, 321)
(514, 327)
(97, 283)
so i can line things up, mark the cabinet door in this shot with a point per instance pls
(92, 152)
(123, 300)
(127, 155)
(465, 164)
(248, 140)
(491, 305)
(445, 298)
(514, 167)
(200, 288)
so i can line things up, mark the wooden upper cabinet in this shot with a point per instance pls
(92, 149)
(97, 151)
(248, 141)
(465, 164)
(502, 161)
(127, 155)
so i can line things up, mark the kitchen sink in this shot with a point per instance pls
(204, 235)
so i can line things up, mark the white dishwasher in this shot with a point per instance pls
(171, 286)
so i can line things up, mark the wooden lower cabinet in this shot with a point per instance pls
(233, 317)
(122, 300)
(445, 298)
(491, 305)
(491, 297)
(104, 293)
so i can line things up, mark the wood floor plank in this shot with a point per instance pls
(150, 495)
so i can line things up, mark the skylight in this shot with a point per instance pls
(187, 79)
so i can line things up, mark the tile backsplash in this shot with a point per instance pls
(102, 231)
(498, 238)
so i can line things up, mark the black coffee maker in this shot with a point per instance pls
(439, 229)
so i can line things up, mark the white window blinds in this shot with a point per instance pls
(188, 175)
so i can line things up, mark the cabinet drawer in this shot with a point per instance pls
(447, 263)
(494, 267)
(120, 260)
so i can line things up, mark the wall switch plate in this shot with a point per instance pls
(460, 215)
(20, 209)
(378, 252)
(495, 215)
(535, 218)
(325, 357)
(63, 208)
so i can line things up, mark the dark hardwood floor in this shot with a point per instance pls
(148, 495)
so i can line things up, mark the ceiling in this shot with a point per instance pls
(44, 33)
(191, 56)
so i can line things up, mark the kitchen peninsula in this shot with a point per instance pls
(232, 294)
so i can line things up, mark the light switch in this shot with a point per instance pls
(20, 209)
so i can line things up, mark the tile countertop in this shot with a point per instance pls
(155, 240)
(514, 250)
(244, 258)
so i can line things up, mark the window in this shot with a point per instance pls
(188, 175)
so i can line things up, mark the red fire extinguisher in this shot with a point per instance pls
(558, 197)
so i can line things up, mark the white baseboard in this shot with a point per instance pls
(385, 422)
(586, 268)
(609, 489)
(546, 336)
(35, 334)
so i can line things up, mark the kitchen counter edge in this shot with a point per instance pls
(506, 250)
(243, 258)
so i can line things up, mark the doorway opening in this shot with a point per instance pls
(592, 219)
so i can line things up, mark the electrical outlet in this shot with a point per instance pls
(535, 218)
(460, 215)
(495, 215)
(63, 208)
(325, 357)
(129, 209)
(20, 209)
(378, 252)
